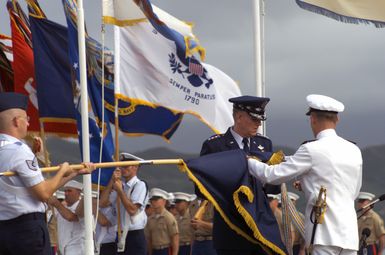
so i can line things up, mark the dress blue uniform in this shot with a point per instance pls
(23, 229)
(226, 241)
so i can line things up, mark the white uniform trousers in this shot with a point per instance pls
(331, 250)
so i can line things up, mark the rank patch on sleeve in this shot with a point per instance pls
(32, 164)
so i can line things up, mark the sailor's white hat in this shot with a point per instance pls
(366, 196)
(184, 196)
(156, 193)
(73, 184)
(272, 196)
(59, 194)
(292, 196)
(323, 104)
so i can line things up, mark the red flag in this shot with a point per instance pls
(24, 72)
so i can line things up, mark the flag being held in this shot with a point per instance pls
(160, 68)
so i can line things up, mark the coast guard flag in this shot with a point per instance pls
(158, 66)
(97, 153)
(349, 11)
(223, 178)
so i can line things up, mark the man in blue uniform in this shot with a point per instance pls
(23, 229)
(248, 113)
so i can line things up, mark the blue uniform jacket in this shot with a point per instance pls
(223, 236)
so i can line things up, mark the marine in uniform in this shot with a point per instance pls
(182, 202)
(372, 221)
(162, 229)
(248, 113)
(329, 161)
(203, 231)
(23, 229)
(69, 226)
(133, 195)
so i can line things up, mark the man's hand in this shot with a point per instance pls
(88, 168)
(37, 145)
(117, 185)
(53, 201)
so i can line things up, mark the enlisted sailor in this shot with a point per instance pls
(162, 229)
(182, 202)
(329, 161)
(70, 227)
(23, 229)
(373, 222)
(248, 114)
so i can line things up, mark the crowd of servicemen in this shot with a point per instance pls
(131, 218)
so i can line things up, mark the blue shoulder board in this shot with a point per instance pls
(213, 137)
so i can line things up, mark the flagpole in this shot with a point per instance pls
(108, 165)
(258, 50)
(88, 242)
(116, 92)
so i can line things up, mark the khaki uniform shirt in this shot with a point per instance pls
(374, 223)
(207, 216)
(185, 229)
(160, 228)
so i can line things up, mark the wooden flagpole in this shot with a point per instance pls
(109, 164)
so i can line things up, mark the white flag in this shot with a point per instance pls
(158, 69)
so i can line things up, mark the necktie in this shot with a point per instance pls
(246, 147)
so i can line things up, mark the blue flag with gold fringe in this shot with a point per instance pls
(99, 133)
(224, 180)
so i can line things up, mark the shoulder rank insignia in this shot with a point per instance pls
(214, 137)
(258, 134)
(307, 141)
(32, 164)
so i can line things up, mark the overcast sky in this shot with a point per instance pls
(305, 53)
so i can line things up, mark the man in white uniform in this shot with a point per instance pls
(70, 228)
(328, 161)
(23, 229)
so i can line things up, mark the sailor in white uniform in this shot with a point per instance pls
(70, 227)
(328, 161)
(23, 229)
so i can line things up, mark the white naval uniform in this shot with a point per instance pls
(334, 163)
(104, 234)
(15, 199)
(70, 235)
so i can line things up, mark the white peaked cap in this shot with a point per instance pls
(171, 197)
(185, 196)
(155, 192)
(366, 195)
(273, 196)
(59, 194)
(292, 196)
(74, 184)
(324, 103)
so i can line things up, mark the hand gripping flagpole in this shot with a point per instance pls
(109, 165)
